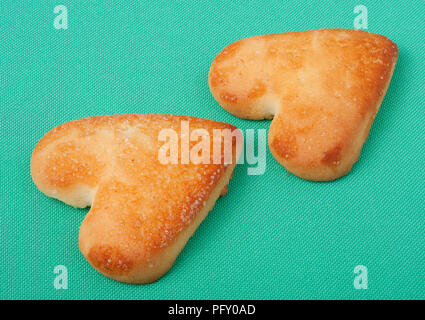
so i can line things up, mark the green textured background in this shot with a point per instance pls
(273, 236)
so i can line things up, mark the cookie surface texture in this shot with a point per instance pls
(322, 88)
(142, 211)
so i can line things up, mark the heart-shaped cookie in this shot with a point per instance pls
(142, 210)
(322, 88)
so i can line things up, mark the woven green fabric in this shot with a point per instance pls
(273, 236)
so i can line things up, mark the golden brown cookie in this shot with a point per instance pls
(322, 88)
(142, 211)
